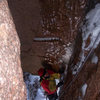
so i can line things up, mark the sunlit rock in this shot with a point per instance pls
(11, 79)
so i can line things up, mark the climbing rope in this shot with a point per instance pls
(46, 98)
(75, 77)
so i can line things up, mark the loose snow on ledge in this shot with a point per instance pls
(34, 91)
(94, 59)
(40, 95)
(83, 89)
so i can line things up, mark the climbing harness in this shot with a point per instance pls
(75, 77)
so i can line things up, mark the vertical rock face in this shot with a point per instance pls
(11, 80)
(59, 19)
(82, 81)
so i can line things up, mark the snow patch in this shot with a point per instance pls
(83, 89)
(94, 59)
(58, 90)
(92, 28)
(40, 95)
(32, 85)
(66, 57)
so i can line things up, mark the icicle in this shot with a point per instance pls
(47, 39)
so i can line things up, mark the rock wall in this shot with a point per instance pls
(87, 83)
(82, 79)
(62, 20)
(12, 86)
(26, 15)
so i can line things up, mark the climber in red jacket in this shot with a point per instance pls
(47, 81)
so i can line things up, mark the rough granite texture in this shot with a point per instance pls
(12, 86)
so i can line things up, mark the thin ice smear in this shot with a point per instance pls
(94, 59)
(83, 89)
(90, 30)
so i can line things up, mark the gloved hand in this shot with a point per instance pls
(60, 83)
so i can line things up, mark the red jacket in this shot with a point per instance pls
(49, 85)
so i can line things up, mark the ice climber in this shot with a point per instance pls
(47, 81)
